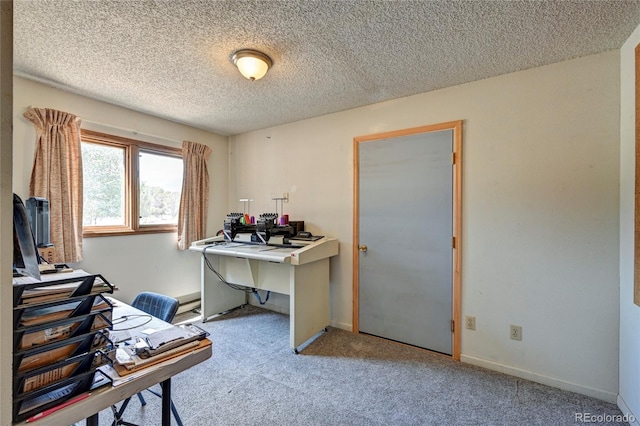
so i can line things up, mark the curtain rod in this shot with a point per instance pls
(131, 131)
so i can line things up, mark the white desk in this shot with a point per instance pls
(302, 273)
(106, 396)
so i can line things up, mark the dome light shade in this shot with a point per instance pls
(251, 63)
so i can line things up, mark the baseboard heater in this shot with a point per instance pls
(188, 302)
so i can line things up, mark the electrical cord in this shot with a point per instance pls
(247, 290)
(126, 318)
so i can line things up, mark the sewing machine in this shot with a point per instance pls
(235, 225)
(266, 230)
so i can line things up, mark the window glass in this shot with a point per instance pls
(103, 168)
(130, 186)
(160, 187)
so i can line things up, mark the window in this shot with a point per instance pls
(130, 186)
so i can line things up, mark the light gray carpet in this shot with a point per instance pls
(340, 378)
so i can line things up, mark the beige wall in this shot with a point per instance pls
(629, 397)
(540, 210)
(133, 263)
(540, 220)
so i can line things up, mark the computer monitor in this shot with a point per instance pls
(25, 255)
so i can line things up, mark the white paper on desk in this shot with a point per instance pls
(117, 380)
(123, 357)
(163, 337)
(118, 336)
(78, 273)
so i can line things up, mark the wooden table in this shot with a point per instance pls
(106, 396)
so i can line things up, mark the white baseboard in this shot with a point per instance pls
(341, 325)
(630, 417)
(188, 307)
(539, 378)
(189, 298)
(188, 302)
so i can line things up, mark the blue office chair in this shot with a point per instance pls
(164, 308)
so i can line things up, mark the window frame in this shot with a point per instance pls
(132, 149)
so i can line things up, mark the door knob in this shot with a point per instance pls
(362, 248)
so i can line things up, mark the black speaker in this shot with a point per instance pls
(297, 225)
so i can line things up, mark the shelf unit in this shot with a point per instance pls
(60, 338)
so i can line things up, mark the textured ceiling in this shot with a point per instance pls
(172, 58)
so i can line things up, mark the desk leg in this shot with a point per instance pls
(308, 302)
(166, 402)
(92, 420)
(215, 296)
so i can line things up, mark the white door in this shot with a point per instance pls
(405, 231)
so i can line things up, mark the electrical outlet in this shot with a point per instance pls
(516, 332)
(286, 197)
(470, 322)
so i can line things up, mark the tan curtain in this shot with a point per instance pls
(57, 176)
(192, 219)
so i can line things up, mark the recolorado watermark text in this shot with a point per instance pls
(604, 418)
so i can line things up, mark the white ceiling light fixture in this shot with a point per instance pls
(251, 63)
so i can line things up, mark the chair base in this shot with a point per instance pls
(117, 413)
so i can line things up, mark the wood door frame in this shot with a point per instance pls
(456, 126)
(636, 264)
